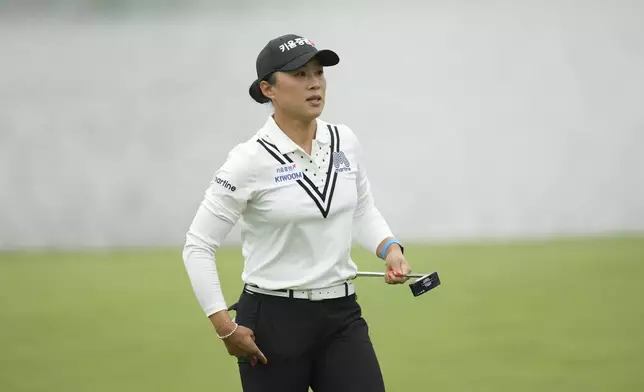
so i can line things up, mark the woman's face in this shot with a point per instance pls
(299, 94)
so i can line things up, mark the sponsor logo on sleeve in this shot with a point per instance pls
(224, 183)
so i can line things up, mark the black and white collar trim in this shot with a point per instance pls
(321, 199)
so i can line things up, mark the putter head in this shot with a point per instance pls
(424, 284)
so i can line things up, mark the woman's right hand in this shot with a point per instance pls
(242, 343)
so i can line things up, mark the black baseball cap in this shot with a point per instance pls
(287, 53)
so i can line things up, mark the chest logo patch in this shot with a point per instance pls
(287, 173)
(340, 162)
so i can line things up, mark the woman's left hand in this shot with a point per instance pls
(396, 267)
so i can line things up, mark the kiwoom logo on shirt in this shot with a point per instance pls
(287, 172)
(339, 159)
(224, 183)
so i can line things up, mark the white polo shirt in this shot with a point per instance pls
(299, 213)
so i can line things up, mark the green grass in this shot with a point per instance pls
(542, 316)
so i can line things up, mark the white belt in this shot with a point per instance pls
(339, 291)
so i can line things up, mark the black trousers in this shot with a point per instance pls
(324, 345)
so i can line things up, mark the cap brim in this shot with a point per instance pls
(327, 57)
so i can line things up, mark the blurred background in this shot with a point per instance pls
(504, 140)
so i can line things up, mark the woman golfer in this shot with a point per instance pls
(300, 192)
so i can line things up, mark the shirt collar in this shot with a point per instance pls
(284, 144)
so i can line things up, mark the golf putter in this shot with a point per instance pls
(420, 286)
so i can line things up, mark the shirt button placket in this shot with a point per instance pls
(321, 172)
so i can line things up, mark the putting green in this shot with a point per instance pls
(556, 316)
